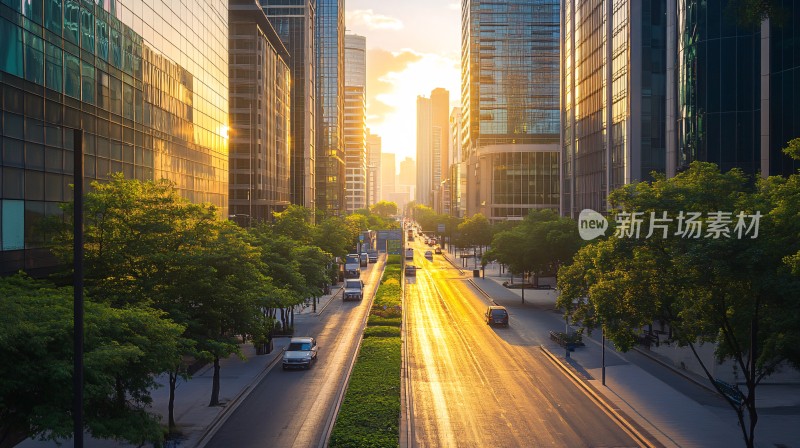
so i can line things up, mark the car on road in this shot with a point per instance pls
(373, 256)
(409, 254)
(496, 315)
(364, 258)
(411, 270)
(438, 250)
(353, 289)
(429, 255)
(301, 353)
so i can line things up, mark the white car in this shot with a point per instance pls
(300, 353)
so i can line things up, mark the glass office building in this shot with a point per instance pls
(293, 20)
(355, 122)
(146, 81)
(329, 34)
(260, 96)
(510, 106)
(736, 87)
(594, 160)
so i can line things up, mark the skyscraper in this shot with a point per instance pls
(260, 96)
(424, 182)
(293, 20)
(388, 175)
(458, 167)
(330, 106)
(374, 171)
(440, 117)
(594, 160)
(355, 123)
(734, 87)
(147, 85)
(510, 106)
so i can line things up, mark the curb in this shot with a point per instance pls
(618, 418)
(234, 403)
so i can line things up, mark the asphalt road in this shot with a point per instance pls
(475, 386)
(293, 408)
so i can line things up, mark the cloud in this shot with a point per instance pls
(372, 21)
(455, 6)
(381, 64)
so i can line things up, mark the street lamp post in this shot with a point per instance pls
(77, 278)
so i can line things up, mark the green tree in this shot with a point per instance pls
(476, 231)
(294, 222)
(124, 349)
(335, 236)
(384, 209)
(737, 293)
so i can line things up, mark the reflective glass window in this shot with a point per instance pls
(72, 75)
(88, 80)
(54, 67)
(87, 29)
(11, 49)
(101, 30)
(34, 58)
(116, 48)
(34, 214)
(72, 12)
(13, 220)
(52, 15)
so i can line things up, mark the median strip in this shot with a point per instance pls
(370, 412)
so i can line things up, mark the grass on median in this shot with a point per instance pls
(370, 413)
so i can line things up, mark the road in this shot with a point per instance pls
(476, 386)
(294, 408)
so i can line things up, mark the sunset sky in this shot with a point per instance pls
(413, 46)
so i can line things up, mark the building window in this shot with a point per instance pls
(12, 225)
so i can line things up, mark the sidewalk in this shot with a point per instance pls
(660, 399)
(196, 420)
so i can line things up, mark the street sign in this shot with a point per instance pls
(361, 238)
(440, 228)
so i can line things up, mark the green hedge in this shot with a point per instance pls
(382, 331)
(384, 321)
(394, 259)
(370, 414)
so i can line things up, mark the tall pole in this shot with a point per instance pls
(77, 287)
(252, 167)
(603, 331)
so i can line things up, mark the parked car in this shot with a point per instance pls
(411, 270)
(301, 353)
(496, 315)
(429, 255)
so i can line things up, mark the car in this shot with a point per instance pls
(364, 258)
(301, 353)
(411, 270)
(438, 250)
(409, 254)
(496, 315)
(373, 256)
(353, 289)
(429, 255)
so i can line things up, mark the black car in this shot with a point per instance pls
(496, 315)
(411, 270)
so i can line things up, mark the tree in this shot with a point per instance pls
(476, 231)
(335, 236)
(294, 222)
(737, 293)
(384, 209)
(123, 351)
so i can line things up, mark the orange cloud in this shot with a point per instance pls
(368, 18)
(380, 64)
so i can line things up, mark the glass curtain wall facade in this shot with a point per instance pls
(784, 88)
(510, 106)
(330, 105)
(596, 161)
(146, 81)
(355, 143)
(719, 95)
(374, 170)
(260, 95)
(294, 21)
(424, 168)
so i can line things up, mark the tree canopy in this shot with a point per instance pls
(731, 285)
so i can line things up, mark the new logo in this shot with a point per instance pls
(591, 224)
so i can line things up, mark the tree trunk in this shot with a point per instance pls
(215, 384)
(173, 380)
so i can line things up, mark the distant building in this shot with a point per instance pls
(355, 123)
(510, 106)
(424, 180)
(388, 175)
(458, 167)
(293, 20)
(373, 168)
(260, 97)
(408, 173)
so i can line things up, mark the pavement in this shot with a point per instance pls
(197, 421)
(676, 407)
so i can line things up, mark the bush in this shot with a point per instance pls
(381, 331)
(370, 413)
(394, 259)
(383, 321)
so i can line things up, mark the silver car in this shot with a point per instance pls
(300, 353)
